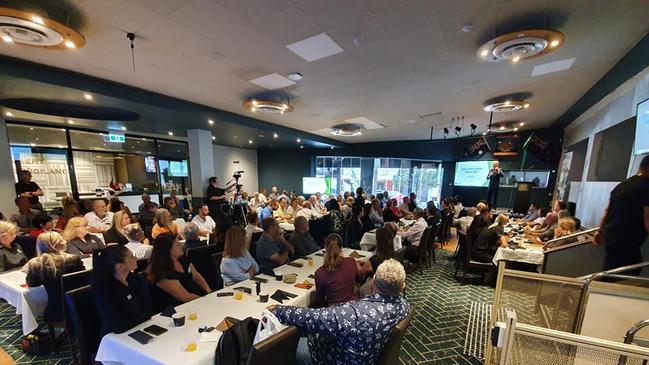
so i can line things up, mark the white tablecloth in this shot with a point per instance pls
(369, 240)
(29, 302)
(531, 255)
(211, 310)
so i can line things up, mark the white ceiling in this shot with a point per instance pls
(413, 58)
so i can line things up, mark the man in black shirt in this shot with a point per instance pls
(625, 224)
(488, 241)
(25, 187)
(360, 197)
(215, 198)
(494, 183)
(413, 202)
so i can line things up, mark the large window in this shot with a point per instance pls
(399, 177)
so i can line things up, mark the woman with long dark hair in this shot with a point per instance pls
(173, 279)
(335, 280)
(121, 296)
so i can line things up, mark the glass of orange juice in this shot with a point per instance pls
(192, 315)
(309, 261)
(238, 295)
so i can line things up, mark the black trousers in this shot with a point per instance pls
(492, 196)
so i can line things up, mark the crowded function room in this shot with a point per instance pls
(324, 182)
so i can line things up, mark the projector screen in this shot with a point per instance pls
(642, 129)
(312, 185)
(472, 173)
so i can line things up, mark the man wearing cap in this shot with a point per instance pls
(273, 249)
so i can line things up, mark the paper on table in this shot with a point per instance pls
(209, 336)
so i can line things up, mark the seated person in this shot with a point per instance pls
(78, 237)
(376, 214)
(42, 223)
(565, 227)
(252, 226)
(335, 280)
(354, 332)
(307, 212)
(121, 296)
(47, 268)
(137, 242)
(205, 223)
(544, 234)
(266, 211)
(388, 214)
(366, 218)
(70, 210)
(293, 208)
(463, 223)
(316, 204)
(237, 263)
(279, 212)
(480, 222)
(147, 208)
(532, 213)
(24, 216)
(404, 208)
(11, 254)
(272, 248)
(412, 237)
(332, 204)
(99, 220)
(346, 209)
(355, 229)
(164, 224)
(384, 251)
(301, 239)
(173, 280)
(489, 240)
(457, 206)
(176, 212)
(116, 233)
(115, 205)
(191, 234)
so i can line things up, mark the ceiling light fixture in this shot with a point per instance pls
(521, 124)
(170, 133)
(70, 121)
(299, 140)
(496, 106)
(522, 45)
(7, 39)
(210, 122)
(70, 44)
(516, 129)
(88, 96)
(250, 141)
(38, 19)
(275, 135)
(294, 76)
(267, 106)
(9, 114)
(526, 105)
(213, 138)
(301, 147)
(123, 128)
(502, 128)
(332, 147)
(26, 28)
(473, 128)
(347, 130)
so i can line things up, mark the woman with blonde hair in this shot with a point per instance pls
(566, 227)
(70, 210)
(164, 224)
(79, 239)
(237, 264)
(116, 233)
(335, 280)
(47, 268)
(11, 254)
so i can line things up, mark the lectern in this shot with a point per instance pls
(522, 198)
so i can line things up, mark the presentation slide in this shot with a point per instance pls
(642, 128)
(312, 185)
(472, 173)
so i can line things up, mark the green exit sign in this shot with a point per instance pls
(115, 138)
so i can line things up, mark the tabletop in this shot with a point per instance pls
(210, 310)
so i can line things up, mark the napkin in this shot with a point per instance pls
(168, 312)
(210, 336)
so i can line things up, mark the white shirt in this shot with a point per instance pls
(94, 221)
(415, 232)
(261, 200)
(206, 224)
(464, 222)
(309, 214)
(318, 206)
(250, 229)
(140, 250)
(457, 209)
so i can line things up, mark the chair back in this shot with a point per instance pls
(142, 265)
(423, 242)
(216, 262)
(72, 281)
(319, 229)
(201, 258)
(253, 244)
(28, 245)
(390, 353)
(462, 246)
(277, 349)
(84, 321)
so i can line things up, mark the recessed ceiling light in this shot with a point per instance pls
(250, 141)
(521, 124)
(33, 144)
(516, 129)
(275, 135)
(332, 147)
(123, 128)
(7, 39)
(484, 133)
(87, 96)
(294, 76)
(38, 19)
(301, 146)
(521, 45)
(502, 128)
(62, 129)
(484, 52)
(554, 43)
(70, 121)
(213, 138)
(508, 103)
(526, 105)
(253, 109)
(299, 140)
(261, 136)
(9, 114)
(170, 133)
(516, 59)
(210, 121)
(70, 44)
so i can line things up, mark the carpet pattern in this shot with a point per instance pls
(436, 334)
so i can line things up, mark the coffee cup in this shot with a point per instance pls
(263, 297)
(278, 276)
(179, 319)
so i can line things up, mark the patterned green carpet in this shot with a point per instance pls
(436, 335)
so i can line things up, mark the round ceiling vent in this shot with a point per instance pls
(267, 106)
(28, 29)
(506, 106)
(521, 45)
(347, 130)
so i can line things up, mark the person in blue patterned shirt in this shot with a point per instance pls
(353, 333)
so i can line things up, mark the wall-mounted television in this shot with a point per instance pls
(312, 185)
(178, 168)
(641, 144)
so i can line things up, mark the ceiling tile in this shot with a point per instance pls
(272, 81)
(406, 16)
(314, 48)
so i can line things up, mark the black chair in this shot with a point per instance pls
(201, 258)
(141, 265)
(390, 353)
(430, 246)
(216, 262)
(469, 263)
(277, 349)
(71, 282)
(319, 229)
(253, 244)
(28, 245)
(422, 250)
(84, 321)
